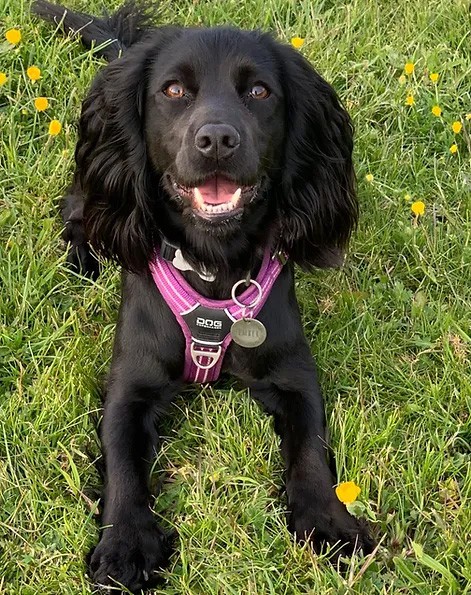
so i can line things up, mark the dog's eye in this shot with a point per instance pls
(259, 92)
(174, 90)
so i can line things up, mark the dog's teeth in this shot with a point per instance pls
(198, 197)
(235, 197)
(216, 209)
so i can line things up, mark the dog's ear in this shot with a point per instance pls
(112, 165)
(317, 201)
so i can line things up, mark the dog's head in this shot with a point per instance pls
(219, 140)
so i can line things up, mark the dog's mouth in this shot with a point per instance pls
(216, 198)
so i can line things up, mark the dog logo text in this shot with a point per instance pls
(209, 323)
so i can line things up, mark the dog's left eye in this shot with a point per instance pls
(259, 92)
(174, 90)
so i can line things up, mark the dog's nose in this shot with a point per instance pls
(218, 141)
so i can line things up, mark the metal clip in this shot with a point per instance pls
(282, 257)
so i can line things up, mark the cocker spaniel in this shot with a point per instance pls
(210, 161)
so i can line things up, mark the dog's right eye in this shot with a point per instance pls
(174, 90)
(259, 92)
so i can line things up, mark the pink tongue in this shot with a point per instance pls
(217, 190)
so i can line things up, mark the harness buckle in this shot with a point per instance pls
(213, 356)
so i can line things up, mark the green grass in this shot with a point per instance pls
(390, 333)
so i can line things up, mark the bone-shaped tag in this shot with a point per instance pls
(181, 264)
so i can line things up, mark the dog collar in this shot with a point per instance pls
(206, 323)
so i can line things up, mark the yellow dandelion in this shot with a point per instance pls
(454, 148)
(55, 127)
(347, 492)
(407, 197)
(3, 78)
(456, 127)
(410, 100)
(13, 36)
(409, 68)
(434, 76)
(369, 178)
(33, 73)
(437, 111)
(297, 42)
(41, 103)
(402, 80)
(418, 208)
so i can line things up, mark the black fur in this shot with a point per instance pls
(109, 35)
(136, 157)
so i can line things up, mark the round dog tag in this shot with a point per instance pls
(248, 332)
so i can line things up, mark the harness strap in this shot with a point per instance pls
(206, 323)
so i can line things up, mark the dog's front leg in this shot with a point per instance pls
(132, 547)
(293, 396)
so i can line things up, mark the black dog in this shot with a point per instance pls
(169, 132)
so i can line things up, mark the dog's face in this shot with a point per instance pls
(215, 125)
(220, 140)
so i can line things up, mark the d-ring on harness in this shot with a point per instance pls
(210, 325)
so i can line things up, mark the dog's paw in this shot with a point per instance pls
(330, 524)
(129, 556)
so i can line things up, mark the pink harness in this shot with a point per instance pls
(206, 323)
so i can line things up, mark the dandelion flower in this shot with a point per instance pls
(456, 127)
(410, 100)
(437, 111)
(347, 492)
(407, 197)
(55, 127)
(3, 78)
(33, 73)
(434, 77)
(454, 148)
(13, 36)
(297, 42)
(369, 178)
(418, 208)
(402, 80)
(41, 103)
(468, 117)
(409, 68)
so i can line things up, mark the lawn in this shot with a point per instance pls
(390, 332)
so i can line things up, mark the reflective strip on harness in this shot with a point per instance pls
(206, 323)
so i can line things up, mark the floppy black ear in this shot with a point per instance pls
(120, 192)
(317, 200)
